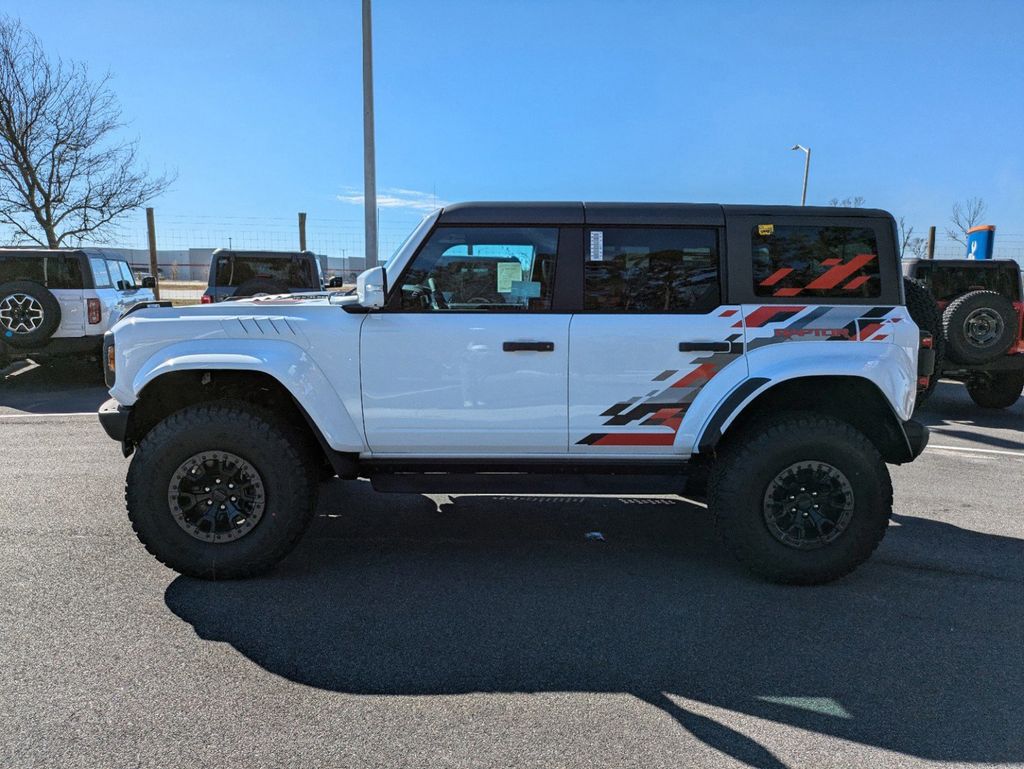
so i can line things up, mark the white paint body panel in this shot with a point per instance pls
(441, 383)
(631, 385)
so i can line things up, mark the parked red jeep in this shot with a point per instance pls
(978, 324)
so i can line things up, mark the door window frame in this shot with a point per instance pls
(716, 231)
(570, 242)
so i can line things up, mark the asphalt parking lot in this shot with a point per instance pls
(480, 631)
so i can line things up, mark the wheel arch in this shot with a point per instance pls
(856, 400)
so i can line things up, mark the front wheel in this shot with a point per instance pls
(221, 490)
(996, 391)
(801, 498)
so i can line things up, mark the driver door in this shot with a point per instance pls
(469, 357)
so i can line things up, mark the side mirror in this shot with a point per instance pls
(372, 288)
(149, 282)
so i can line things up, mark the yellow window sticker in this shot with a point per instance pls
(765, 229)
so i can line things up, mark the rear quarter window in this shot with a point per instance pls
(815, 261)
(60, 272)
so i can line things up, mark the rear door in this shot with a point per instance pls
(652, 333)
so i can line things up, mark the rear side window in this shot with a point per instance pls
(100, 275)
(234, 270)
(815, 261)
(51, 271)
(648, 270)
(494, 269)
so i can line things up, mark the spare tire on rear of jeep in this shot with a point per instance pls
(29, 314)
(257, 286)
(979, 326)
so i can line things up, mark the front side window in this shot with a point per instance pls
(658, 269)
(815, 261)
(121, 271)
(496, 269)
(100, 275)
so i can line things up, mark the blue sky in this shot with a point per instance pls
(257, 105)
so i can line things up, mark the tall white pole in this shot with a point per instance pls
(807, 171)
(369, 155)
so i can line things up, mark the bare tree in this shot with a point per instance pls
(917, 246)
(966, 214)
(850, 202)
(64, 174)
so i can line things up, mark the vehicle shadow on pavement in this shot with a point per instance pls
(918, 652)
(55, 387)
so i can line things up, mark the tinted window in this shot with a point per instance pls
(631, 269)
(813, 261)
(948, 281)
(51, 271)
(504, 269)
(99, 273)
(234, 270)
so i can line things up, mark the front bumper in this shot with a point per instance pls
(917, 437)
(114, 418)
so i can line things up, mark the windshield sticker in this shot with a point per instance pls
(526, 289)
(508, 273)
(596, 246)
(765, 229)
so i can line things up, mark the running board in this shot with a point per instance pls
(526, 483)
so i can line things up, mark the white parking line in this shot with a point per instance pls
(62, 414)
(980, 451)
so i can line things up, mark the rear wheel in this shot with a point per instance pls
(925, 314)
(801, 498)
(996, 391)
(221, 490)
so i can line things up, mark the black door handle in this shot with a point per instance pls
(706, 347)
(528, 346)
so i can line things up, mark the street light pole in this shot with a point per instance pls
(369, 155)
(807, 170)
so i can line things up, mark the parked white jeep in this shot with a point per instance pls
(524, 347)
(60, 302)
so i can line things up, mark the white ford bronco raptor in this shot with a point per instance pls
(521, 347)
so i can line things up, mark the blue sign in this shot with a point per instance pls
(980, 241)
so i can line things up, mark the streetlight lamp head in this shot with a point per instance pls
(798, 147)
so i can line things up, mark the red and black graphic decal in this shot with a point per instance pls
(837, 272)
(824, 323)
(660, 408)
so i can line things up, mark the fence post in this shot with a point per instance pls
(153, 267)
(302, 231)
(931, 242)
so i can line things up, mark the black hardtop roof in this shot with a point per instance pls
(581, 212)
(40, 251)
(263, 254)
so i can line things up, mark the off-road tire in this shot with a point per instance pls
(960, 345)
(278, 452)
(750, 461)
(257, 286)
(40, 299)
(996, 391)
(926, 315)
